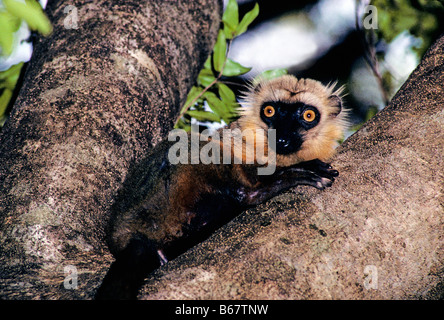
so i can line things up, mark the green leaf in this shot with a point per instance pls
(229, 33)
(7, 34)
(204, 116)
(269, 74)
(181, 124)
(192, 96)
(224, 111)
(206, 78)
(230, 18)
(4, 100)
(32, 13)
(231, 14)
(226, 94)
(247, 20)
(233, 69)
(229, 99)
(13, 71)
(14, 22)
(207, 64)
(220, 51)
(215, 104)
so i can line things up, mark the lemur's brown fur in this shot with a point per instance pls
(163, 208)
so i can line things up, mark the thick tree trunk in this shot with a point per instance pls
(376, 234)
(94, 99)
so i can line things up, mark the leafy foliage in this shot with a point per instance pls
(12, 14)
(422, 19)
(210, 89)
(419, 17)
(8, 81)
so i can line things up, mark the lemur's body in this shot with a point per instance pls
(163, 209)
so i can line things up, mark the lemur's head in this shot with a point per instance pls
(308, 117)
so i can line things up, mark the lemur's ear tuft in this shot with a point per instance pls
(336, 104)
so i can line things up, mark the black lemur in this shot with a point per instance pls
(163, 208)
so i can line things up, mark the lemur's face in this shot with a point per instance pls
(291, 121)
(307, 116)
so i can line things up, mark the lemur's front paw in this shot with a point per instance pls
(323, 173)
(319, 167)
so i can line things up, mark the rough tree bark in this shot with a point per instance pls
(376, 234)
(94, 99)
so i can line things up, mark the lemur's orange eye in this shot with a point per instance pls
(309, 115)
(269, 111)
